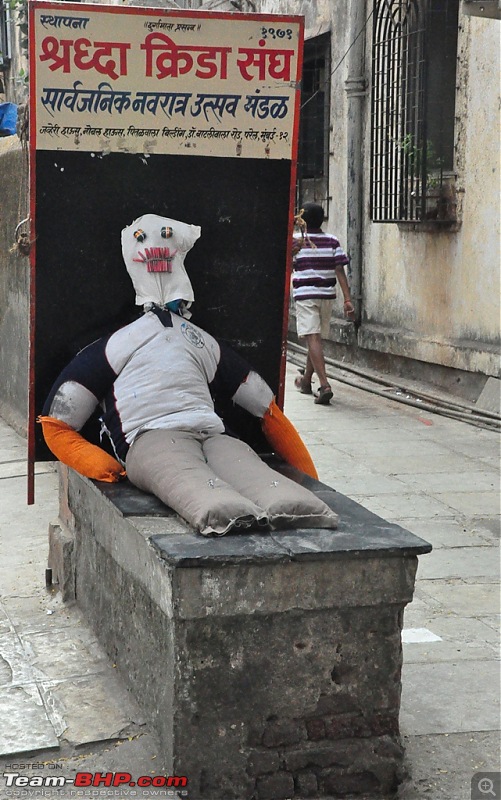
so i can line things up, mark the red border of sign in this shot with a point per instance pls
(160, 12)
(32, 273)
(292, 203)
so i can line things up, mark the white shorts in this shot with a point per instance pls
(314, 316)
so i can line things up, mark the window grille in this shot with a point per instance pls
(313, 156)
(412, 111)
(5, 43)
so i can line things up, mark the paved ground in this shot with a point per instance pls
(63, 709)
(439, 478)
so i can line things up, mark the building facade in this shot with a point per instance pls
(400, 142)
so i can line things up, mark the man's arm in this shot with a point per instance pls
(349, 310)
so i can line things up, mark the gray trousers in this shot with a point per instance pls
(218, 483)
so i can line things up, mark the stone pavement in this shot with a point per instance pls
(63, 708)
(439, 478)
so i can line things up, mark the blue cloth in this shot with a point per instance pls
(8, 119)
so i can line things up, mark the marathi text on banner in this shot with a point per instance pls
(123, 75)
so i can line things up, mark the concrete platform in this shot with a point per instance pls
(268, 663)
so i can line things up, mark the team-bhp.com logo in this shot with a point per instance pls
(90, 780)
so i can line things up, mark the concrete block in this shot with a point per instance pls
(28, 727)
(445, 765)
(490, 396)
(61, 560)
(457, 637)
(275, 787)
(306, 784)
(471, 504)
(90, 708)
(450, 563)
(66, 653)
(464, 599)
(268, 663)
(460, 701)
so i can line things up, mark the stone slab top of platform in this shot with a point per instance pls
(360, 532)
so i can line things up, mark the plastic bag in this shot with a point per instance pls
(8, 119)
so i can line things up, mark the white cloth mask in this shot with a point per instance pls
(154, 249)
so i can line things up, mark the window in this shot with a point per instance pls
(313, 157)
(412, 113)
(5, 48)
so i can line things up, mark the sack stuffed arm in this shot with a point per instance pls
(257, 398)
(70, 404)
(236, 379)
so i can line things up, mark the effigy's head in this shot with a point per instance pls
(154, 249)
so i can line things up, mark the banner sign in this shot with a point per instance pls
(128, 107)
(158, 81)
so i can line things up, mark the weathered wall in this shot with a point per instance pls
(429, 295)
(322, 16)
(14, 288)
(434, 295)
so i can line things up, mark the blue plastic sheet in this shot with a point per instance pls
(8, 119)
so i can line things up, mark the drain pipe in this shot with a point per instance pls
(356, 91)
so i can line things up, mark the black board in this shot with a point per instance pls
(238, 267)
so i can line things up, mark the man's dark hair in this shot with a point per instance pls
(313, 215)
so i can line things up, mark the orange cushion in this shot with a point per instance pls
(73, 450)
(286, 441)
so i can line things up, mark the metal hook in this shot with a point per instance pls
(23, 222)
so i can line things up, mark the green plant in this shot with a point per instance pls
(415, 155)
(434, 167)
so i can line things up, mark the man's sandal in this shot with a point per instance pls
(324, 395)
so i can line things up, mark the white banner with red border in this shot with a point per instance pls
(157, 81)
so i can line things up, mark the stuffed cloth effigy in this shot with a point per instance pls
(159, 382)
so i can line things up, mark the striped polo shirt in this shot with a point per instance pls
(315, 267)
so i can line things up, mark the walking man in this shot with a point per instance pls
(319, 265)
